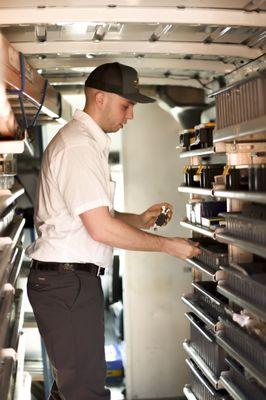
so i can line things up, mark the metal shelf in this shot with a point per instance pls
(250, 247)
(5, 256)
(199, 229)
(192, 304)
(246, 196)
(13, 234)
(231, 388)
(198, 152)
(212, 393)
(8, 196)
(16, 229)
(241, 359)
(214, 380)
(19, 378)
(6, 373)
(5, 308)
(240, 130)
(203, 268)
(15, 268)
(188, 393)
(257, 197)
(14, 343)
(241, 301)
(195, 190)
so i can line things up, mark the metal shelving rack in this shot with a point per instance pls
(27, 100)
(198, 228)
(225, 194)
(239, 249)
(217, 149)
(21, 79)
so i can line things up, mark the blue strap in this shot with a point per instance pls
(41, 104)
(20, 92)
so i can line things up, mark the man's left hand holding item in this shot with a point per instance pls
(147, 219)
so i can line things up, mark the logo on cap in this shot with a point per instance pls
(136, 83)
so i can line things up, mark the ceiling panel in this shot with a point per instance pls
(173, 43)
(237, 4)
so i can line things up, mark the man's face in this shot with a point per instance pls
(116, 112)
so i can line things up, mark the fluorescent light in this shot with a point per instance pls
(78, 28)
(225, 30)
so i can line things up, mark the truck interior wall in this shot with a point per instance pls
(155, 325)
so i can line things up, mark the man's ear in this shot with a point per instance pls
(99, 99)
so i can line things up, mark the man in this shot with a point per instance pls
(77, 229)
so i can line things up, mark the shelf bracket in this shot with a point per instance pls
(20, 92)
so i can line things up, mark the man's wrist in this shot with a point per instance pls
(162, 243)
(141, 223)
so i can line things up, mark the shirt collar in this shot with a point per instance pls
(95, 130)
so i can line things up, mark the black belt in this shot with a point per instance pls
(67, 267)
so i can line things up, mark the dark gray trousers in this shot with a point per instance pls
(69, 311)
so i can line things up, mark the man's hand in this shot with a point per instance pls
(179, 247)
(148, 217)
(104, 228)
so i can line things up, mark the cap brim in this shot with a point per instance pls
(138, 98)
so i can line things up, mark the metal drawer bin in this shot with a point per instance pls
(241, 102)
(201, 388)
(6, 218)
(208, 299)
(248, 281)
(213, 255)
(246, 228)
(245, 347)
(237, 384)
(204, 343)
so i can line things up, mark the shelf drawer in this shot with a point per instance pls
(201, 388)
(204, 343)
(209, 300)
(241, 102)
(247, 347)
(249, 284)
(6, 218)
(246, 228)
(214, 255)
(239, 385)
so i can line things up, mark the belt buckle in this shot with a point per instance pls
(99, 271)
(68, 267)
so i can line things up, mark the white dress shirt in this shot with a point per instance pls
(74, 178)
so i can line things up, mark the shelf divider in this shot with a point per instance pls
(221, 288)
(250, 247)
(259, 197)
(198, 228)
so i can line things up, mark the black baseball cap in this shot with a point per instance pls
(117, 78)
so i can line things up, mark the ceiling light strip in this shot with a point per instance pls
(168, 15)
(144, 47)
